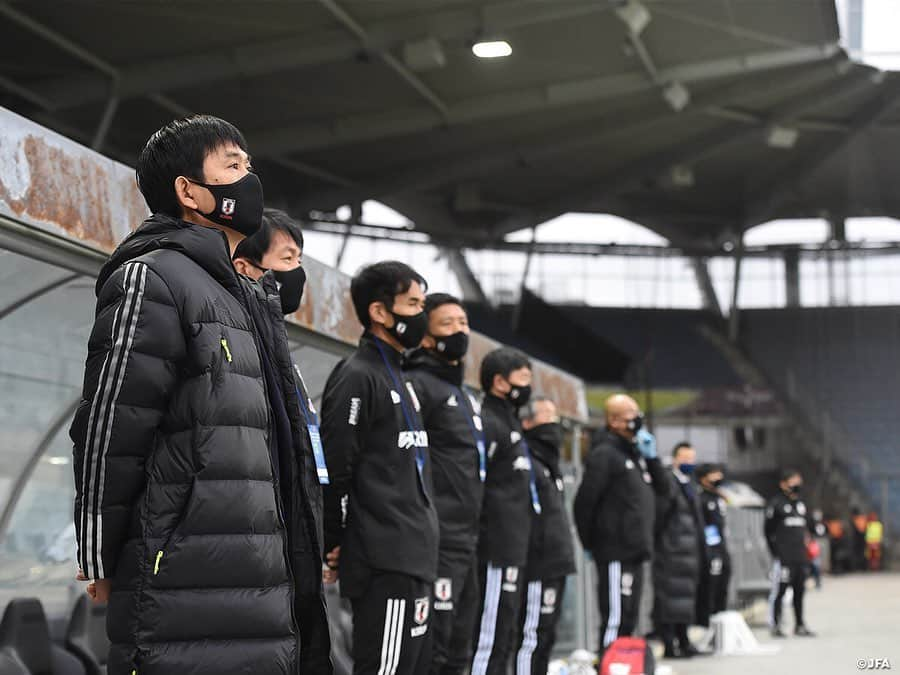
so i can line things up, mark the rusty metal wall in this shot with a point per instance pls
(52, 183)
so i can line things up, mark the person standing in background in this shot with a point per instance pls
(712, 596)
(615, 511)
(551, 553)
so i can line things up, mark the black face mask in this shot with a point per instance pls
(718, 483)
(551, 434)
(519, 396)
(636, 424)
(795, 489)
(290, 288)
(409, 330)
(452, 347)
(239, 205)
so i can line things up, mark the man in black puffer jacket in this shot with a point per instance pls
(551, 553)
(680, 555)
(179, 510)
(615, 508)
(459, 461)
(179, 514)
(270, 261)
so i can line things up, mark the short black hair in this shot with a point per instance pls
(502, 361)
(707, 468)
(789, 472)
(435, 300)
(179, 149)
(679, 446)
(381, 282)
(254, 247)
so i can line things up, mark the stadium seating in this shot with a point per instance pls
(844, 361)
(669, 342)
(25, 645)
(86, 635)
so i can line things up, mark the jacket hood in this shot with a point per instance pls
(206, 246)
(427, 360)
(546, 452)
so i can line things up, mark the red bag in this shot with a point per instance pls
(631, 650)
(813, 549)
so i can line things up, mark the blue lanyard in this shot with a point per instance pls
(480, 443)
(315, 438)
(401, 391)
(532, 481)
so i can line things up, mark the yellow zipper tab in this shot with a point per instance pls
(227, 351)
(133, 672)
(159, 556)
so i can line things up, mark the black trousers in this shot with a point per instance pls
(619, 587)
(495, 630)
(783, 576)
(538, 618)
(390, 625)
(712, 593)
(456, 593)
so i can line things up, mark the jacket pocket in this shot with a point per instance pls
(171, 542)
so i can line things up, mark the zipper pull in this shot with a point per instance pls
(159, 556)
(227, 351)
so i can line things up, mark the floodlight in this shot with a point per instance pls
(492, 50)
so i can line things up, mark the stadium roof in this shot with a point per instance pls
(712, 117)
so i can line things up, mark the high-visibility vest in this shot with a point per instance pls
(874, 532)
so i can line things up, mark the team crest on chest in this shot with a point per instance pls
(228, 205)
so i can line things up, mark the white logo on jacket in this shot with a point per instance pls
(412, 395)
(521, 464)
(395, 397)
(354, 411)
(452, 402)
(514, 437)
(228, 205)
(412, 439)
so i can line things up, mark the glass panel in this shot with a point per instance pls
(37, 554)
(316, 365)
(42, 351)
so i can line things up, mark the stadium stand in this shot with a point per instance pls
(843, 362)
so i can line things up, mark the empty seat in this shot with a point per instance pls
(86, 636)
(26, 646)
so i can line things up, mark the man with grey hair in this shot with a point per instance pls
(551, 554)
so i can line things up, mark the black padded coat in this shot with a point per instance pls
(680, 555)
(176, 499)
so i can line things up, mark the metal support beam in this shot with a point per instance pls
(109, 112)
(705, 284)
(685, 152)
(792, 277)
(472, 290)
(389, 59)
(781, 188)
(530, 149)
(734, 313)
(309, 49)
(359, 128)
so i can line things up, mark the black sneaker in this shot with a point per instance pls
(803, 631)
(777, 632)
